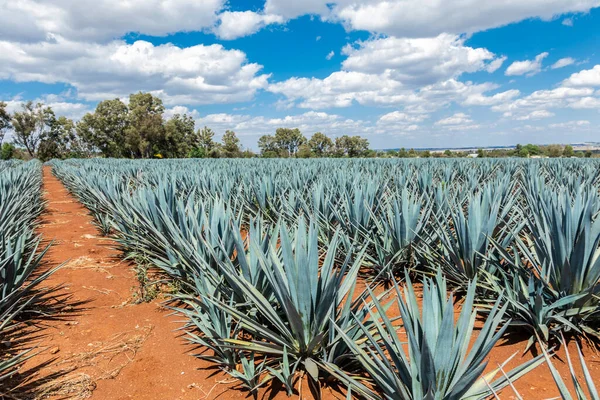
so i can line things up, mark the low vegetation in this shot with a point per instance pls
(266, 255)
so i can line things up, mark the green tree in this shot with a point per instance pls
(56, 143)
(320, 144)
(180, 136)
(351, 146)
(31, 124)
(568, 151)
(426, 154)
(4, 120)
(288, 141)
(7, 151)
(268, 146)
(402, 153)
(480, 153)
(304, 151)
(205, 139)
(145, 133)
(553, 150)
(231, 145)
(104, 130)
(588, 154)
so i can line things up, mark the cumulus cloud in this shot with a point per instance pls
(193, 75)
(456, 119)
(417, 61)
(420, 74)
(397, 117)
(233, 25)
(563, 62)
(570, 125)
(103, 20)
(527, 67)
(534, 115)
(427, 18)
(589, 77)
(308, 123)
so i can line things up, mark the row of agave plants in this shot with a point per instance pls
(20, 255)
(268, 256)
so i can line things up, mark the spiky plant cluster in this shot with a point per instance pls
(256, 245)
(20, 254)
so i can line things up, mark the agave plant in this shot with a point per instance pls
(462, 244)
(398, 234)
(438, 361)
(556, 289)
(308, 297)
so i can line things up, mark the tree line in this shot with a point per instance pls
(139, 129)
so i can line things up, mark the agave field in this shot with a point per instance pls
(391, 279)
(21, 293)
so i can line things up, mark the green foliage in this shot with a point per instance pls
(7, 151)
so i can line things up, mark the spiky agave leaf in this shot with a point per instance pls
(438, 361)
(308, 292)
(580, 387)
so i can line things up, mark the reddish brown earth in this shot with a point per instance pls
(113, 348)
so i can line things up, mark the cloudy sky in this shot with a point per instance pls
(404, 73)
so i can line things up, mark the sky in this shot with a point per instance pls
(402, 73)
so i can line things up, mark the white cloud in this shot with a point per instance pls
(563, 62)
(529, 67)
(479, 99)
(309, 123)
(103, 20)
(534, 115)
(570, 124)
(330, 55)
(496, 64)
(567, 22)
(233, 25)
(589, 77)
(456, 119)
(417, 61)
(397, 117)
(427, 18)
(193, 75)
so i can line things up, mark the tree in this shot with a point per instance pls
(4, 120)
(205, 139)
(351, 146)
(104, 130)
(57, 140)
(320, 144)
(480, 153)
(144, 135)
(554, 150)
(180, 136)
(568, 151)
(31, 125)
(268, 146)
(304, 151)
(231, 144)
(7, 151)
(426, 154)
(289, 141)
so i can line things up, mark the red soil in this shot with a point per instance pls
(113, 348)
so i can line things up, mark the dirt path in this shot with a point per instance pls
(111, 348)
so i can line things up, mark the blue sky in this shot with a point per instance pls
(403, 73)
